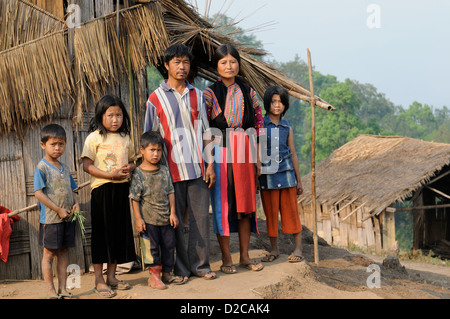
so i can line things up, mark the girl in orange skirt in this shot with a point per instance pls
(280, 177)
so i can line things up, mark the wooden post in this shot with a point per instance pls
(313, 161)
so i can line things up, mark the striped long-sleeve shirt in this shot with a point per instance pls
(181, 119)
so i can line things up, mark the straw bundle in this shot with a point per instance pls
(22, 21)
(143, 32)
(35, 80)
(95, 66)
(100, 57)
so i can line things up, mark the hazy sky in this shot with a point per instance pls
(401, 47)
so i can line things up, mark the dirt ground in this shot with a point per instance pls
(339, 275)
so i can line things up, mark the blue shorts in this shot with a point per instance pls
(56, 236)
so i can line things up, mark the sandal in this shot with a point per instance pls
(228, 269)
(209, 275)
(253, 266)
(120, 285)
(67, 295)
(101, 293)
(295, 258)
(172, 279)
(269, 258)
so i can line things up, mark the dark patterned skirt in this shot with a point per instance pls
(112, 233)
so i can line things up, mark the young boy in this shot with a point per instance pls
(53, 188)
(153, 201)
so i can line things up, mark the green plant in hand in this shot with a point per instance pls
(78, 215)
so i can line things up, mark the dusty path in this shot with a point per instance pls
(340, 275)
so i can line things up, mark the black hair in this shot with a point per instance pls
(224, 50)
(151, 137)
(100, 108)
(282, 92)
(52, 131)
(177, 51)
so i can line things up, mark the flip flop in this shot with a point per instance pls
(295, 259)
(51, 297)
(209, 276)
(68, 295)
(228, 269)
(176, 280)
(120, 285)
(100, 291)
(252, 265)
(269, 258)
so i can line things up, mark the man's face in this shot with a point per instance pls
(178, 68)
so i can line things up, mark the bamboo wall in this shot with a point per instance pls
(19, 156)
(347, 224)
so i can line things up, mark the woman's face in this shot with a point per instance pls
(228, 67)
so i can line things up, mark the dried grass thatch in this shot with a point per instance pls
(376, 170)
(36, 77)
(35, 80)
(101, 57)
(22, 21)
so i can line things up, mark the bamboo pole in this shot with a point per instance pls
(407, 209)
(342, 208)
(353, 211)
(313, 160)
(438, 191)
(34, 206)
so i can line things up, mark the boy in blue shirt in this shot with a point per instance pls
(54, 189)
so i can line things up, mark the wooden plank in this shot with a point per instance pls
(87, 9)
(326, 223)
(344, 234)
(32, 155)
(351, 217)
(84, 195)
(388, 230)
(378, 238)
(12, 196)
(55, 7)
(326, 228)
(103, 7)
(419, 220)
(369, 232)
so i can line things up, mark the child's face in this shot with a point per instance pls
(113, 118)
(152, 153)
(276, 106)
(54, 148)
(178, 68)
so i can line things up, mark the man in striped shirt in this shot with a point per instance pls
(177, 110)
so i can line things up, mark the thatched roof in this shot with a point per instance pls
(376, 170)
(37, 75)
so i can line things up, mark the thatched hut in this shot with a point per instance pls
(50, 72)
(359, 187)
